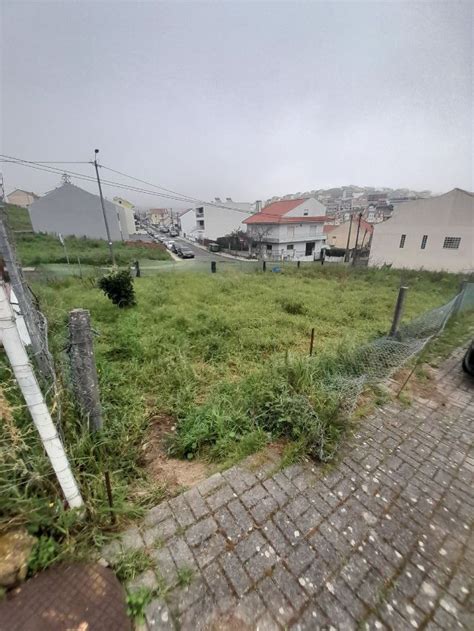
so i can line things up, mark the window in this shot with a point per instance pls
(451, 243)
(305, 212)
(402, 240)
(290, 246)
(423, 241)
(290, 231)
(269, 247)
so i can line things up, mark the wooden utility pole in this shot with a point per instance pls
(85, 382)
(347, 255)
(107, 230)
(357, 240)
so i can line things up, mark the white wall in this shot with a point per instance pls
(287, 233)
(127, 220)
(218, 221)
(449, 215)
(311, 206)
(188, 223)
(72, 211)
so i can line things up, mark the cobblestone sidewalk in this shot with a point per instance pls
(383, 539)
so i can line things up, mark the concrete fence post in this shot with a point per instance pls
(398, 312)
(213, 267)
(84, 378)
(28, 384)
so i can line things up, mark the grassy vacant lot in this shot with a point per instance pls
(39, 249)
(221, 356)
(202, 347)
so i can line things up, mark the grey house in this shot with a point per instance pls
(72, 211)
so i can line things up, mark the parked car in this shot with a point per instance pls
(173, 233)
(184, 252)
(214, 247)
(468, 361)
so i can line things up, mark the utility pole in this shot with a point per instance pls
(112, 257)
(346, 257)
(357, 240)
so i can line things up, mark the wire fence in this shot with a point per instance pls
(378, 360)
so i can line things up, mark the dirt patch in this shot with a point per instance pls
(267, 458)
(170, 472)
(422, 383)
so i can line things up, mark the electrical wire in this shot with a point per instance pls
(168, 194)
(175, 196)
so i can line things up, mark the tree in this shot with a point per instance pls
(257, 235)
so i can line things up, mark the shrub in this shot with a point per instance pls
(293, 307)
(118, 286)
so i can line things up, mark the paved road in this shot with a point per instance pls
(382, 540)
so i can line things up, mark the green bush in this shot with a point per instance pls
(118, 286)
(293, 307)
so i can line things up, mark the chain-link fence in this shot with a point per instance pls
(379, 359)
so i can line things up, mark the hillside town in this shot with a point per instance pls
(399, 228)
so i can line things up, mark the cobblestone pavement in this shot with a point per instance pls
(381, 540)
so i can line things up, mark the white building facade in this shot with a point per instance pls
(71, 211)
(289, 229)
(218, 219)
(435, 234)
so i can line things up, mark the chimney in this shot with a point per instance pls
(258, 205)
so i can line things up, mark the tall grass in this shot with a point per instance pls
(223, 354)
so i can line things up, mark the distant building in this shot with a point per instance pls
(18, 197)
(217, 219)
(187, 221)
(435, 233)
(72, 211)
(289, 229)
(336, 236)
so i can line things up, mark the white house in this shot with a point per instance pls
(218, 219)
(292, 228)
(436, 233)
(72, 211)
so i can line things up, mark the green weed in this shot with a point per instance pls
(185, 576)
(44, 553)
(137, 601)
(131, 563)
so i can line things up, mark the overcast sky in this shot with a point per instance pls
(241, 99)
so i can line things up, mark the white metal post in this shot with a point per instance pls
(31, 391)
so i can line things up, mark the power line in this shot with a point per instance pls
(87, 178)
(169, 194)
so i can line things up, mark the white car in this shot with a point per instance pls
(169, 244)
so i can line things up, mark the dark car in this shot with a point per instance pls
(468, 361)
(185, 253)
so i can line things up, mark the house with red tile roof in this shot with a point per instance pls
(288, 229)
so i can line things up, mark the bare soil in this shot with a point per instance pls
(170, 472)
